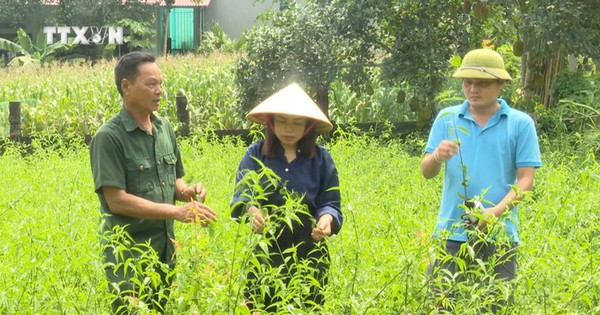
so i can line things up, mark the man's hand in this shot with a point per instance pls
(194, 192)
(445, 151)
(488, 216)
(432, 162)
(196, 212)
(258, 219)
(323, 228)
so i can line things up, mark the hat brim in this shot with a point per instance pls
(293, 101)
(261, 118)
(478, 74)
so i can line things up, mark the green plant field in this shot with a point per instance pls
(76, 99)
(50, 249)
(59, 98)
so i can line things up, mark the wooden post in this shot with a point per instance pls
(14, 117)
(182, 114)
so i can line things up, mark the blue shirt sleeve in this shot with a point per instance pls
(328, 201)
(528, 148)
(248, 163)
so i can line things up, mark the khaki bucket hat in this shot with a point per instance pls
(291, 100)
(482, 64)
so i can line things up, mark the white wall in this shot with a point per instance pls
(235, 16)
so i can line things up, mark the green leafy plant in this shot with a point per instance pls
(287, 283)
(215, 40)
(572, 85)
(29, 53)
(138, 36)
(453, 132)
(140, 263)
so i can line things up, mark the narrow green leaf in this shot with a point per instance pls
(463, 129)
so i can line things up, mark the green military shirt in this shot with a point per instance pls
(125, 156)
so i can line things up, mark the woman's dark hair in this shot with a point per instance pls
(306, 144)
(127, 67)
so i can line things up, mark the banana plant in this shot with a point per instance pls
(29, 53)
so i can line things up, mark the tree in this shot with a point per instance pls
(546, 43)
(412, 41)
(293, 45)
(16, 13)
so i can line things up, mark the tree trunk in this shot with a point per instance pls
(167, 27)
(540, 77)
(572, 62)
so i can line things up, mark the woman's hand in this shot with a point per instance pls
(323, 228)
(258, 219)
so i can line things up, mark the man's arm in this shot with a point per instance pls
(430, 165)
(432, 162)
(525, 180)
(123, 203)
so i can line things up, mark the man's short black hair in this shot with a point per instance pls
(127, 67)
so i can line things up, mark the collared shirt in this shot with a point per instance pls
(315, 178)
(491, 154)
(125, 156)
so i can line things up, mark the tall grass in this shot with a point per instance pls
(50, 249)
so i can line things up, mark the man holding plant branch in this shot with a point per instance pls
(490, 152)
(138, 172)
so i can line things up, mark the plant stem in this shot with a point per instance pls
(463, 167)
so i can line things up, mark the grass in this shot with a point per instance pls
(51, 257)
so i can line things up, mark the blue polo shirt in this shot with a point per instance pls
(316, 178)
(491, 154)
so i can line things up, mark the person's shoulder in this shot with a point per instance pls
(109, 127)
(322, 153)
(446, 114)
(320, 149)
(255, 148)
(108, 135)
(520, 115)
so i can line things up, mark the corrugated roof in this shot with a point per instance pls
(178, 3)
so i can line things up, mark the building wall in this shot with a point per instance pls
(235, 16)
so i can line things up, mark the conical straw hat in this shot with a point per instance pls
(291, 100)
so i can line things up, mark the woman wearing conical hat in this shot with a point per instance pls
(295, 208)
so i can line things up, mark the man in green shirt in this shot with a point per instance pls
(138, 172)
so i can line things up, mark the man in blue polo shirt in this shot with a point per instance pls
(490, 152)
